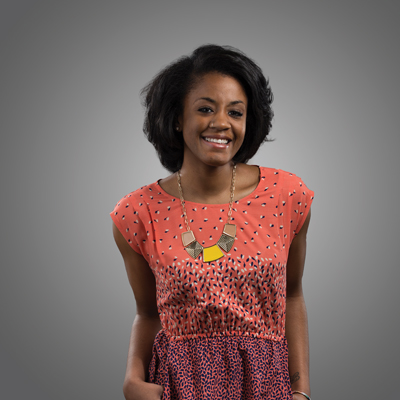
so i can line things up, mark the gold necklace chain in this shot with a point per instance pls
(225, 242)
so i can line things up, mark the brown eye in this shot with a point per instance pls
(236, 113)
(205, 109)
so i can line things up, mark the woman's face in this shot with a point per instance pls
(213, 122)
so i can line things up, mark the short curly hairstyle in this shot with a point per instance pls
(163, 100)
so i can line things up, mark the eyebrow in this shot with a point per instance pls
(213, 101)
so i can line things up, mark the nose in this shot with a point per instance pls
(220, 121)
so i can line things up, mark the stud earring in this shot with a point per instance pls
(177, 128)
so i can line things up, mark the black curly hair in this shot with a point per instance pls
(163, 99)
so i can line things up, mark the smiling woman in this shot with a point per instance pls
(215, 252)
(213, 121)
(165, 95)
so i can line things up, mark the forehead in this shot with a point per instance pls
(217, 84)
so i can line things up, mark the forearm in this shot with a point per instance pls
(297, 338)
(144, 330)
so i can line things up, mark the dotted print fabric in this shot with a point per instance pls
(223, 322)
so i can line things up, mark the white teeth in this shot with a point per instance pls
(219, 141)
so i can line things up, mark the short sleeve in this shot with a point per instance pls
(299, 199)
(304, 200)
(127, 220)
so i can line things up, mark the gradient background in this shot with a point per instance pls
(72, 146)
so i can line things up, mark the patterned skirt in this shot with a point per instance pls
(234, 367)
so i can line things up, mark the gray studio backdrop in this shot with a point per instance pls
(72, 146)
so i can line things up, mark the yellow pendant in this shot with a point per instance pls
(212, 253)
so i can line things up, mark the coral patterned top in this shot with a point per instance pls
(223, 322)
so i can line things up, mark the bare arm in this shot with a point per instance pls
(145, 325)
(296, 314)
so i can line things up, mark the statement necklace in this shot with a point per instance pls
(225, 242)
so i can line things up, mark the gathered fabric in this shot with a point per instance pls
(220, 367)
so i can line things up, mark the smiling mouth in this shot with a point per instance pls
(219, 141)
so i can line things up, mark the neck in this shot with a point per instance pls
(206, 184)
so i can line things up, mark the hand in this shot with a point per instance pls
(140, 390)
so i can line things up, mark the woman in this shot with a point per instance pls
(215, 252)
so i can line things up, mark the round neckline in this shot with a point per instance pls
(250, 195)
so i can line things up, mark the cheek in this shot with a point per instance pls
(242, 135)
(242, 130)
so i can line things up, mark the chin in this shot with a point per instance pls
(219, 162)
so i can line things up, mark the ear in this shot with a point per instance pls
(178, 125)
